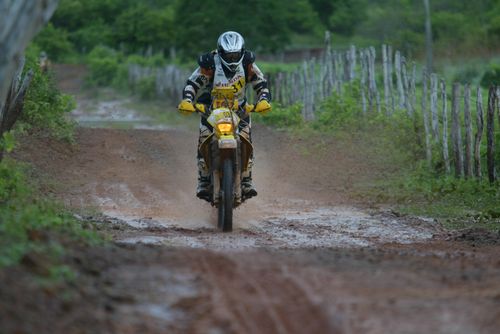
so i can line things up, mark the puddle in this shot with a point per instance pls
(114, 113)
(305, 228)
(107, 111)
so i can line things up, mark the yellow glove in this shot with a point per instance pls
(263, 106)
(186, 107)
(200, 107)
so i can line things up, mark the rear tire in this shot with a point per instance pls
(225, 219)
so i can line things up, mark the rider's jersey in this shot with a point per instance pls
(211, 73)
(236, 81)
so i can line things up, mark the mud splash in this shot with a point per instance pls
(307, 226)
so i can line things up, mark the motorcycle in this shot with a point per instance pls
(226, 152)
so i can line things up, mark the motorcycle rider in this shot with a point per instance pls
(231, 65)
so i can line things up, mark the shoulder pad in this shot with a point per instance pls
(248, 58)
(207, 61)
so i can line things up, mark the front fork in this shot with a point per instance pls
(219, 156)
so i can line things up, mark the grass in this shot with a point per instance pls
(33, 226)
(456, 203)
(393, 145)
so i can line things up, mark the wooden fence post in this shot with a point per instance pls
(479, 134)
(456, 134)
(434, 107)
(337, 66)
(373, 92)
(352, 74)
(346, 55)
(329, 64)
(306, 90)
(413, 89)
(390, 70)
(425, 114)
(468, 132)
(446, 155)
(399, 80)
(364, 75)
(385, 61)
(490, 135)
(297, 87)
(406, 87)
(366, 60)
(313, 83)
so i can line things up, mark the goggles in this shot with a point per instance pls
(232, 57)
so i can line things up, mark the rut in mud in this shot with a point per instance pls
(304, 257)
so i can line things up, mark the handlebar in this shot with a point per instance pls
(242, 112)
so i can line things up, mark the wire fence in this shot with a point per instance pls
(387, 85)
(453, 136)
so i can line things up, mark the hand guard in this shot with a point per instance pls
(186, 107)
(263, 106)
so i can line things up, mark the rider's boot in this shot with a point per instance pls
(203, 188)
(247, 188)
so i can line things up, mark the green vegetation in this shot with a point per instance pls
(109, 68)
(110, 35)
(103, 65)
(457, 203)
(283, 117)
(491, 76)
(394, 145)
(30, 223)
(45, 108)
(190, 27)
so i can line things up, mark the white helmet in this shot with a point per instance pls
(231, 48)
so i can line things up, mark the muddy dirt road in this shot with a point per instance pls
(303, 258)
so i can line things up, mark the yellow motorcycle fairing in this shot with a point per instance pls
(246, 151)
(224, 121)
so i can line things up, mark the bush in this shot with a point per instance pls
(491, 76)
(146, 88)
(44, 106)
(88, 37)
(283, 117)
(108, 67)
(103, 64)
(466, 75)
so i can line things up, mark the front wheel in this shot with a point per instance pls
(225, 221)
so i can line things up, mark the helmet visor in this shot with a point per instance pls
(231, 57)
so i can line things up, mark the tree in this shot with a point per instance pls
(340, 16)
(261, 22)
(140, 27)
(54, 41)
(21, 20)
(428, 35)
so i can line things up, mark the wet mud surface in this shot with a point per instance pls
(304, 256)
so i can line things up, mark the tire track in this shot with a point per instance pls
(260, 297)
